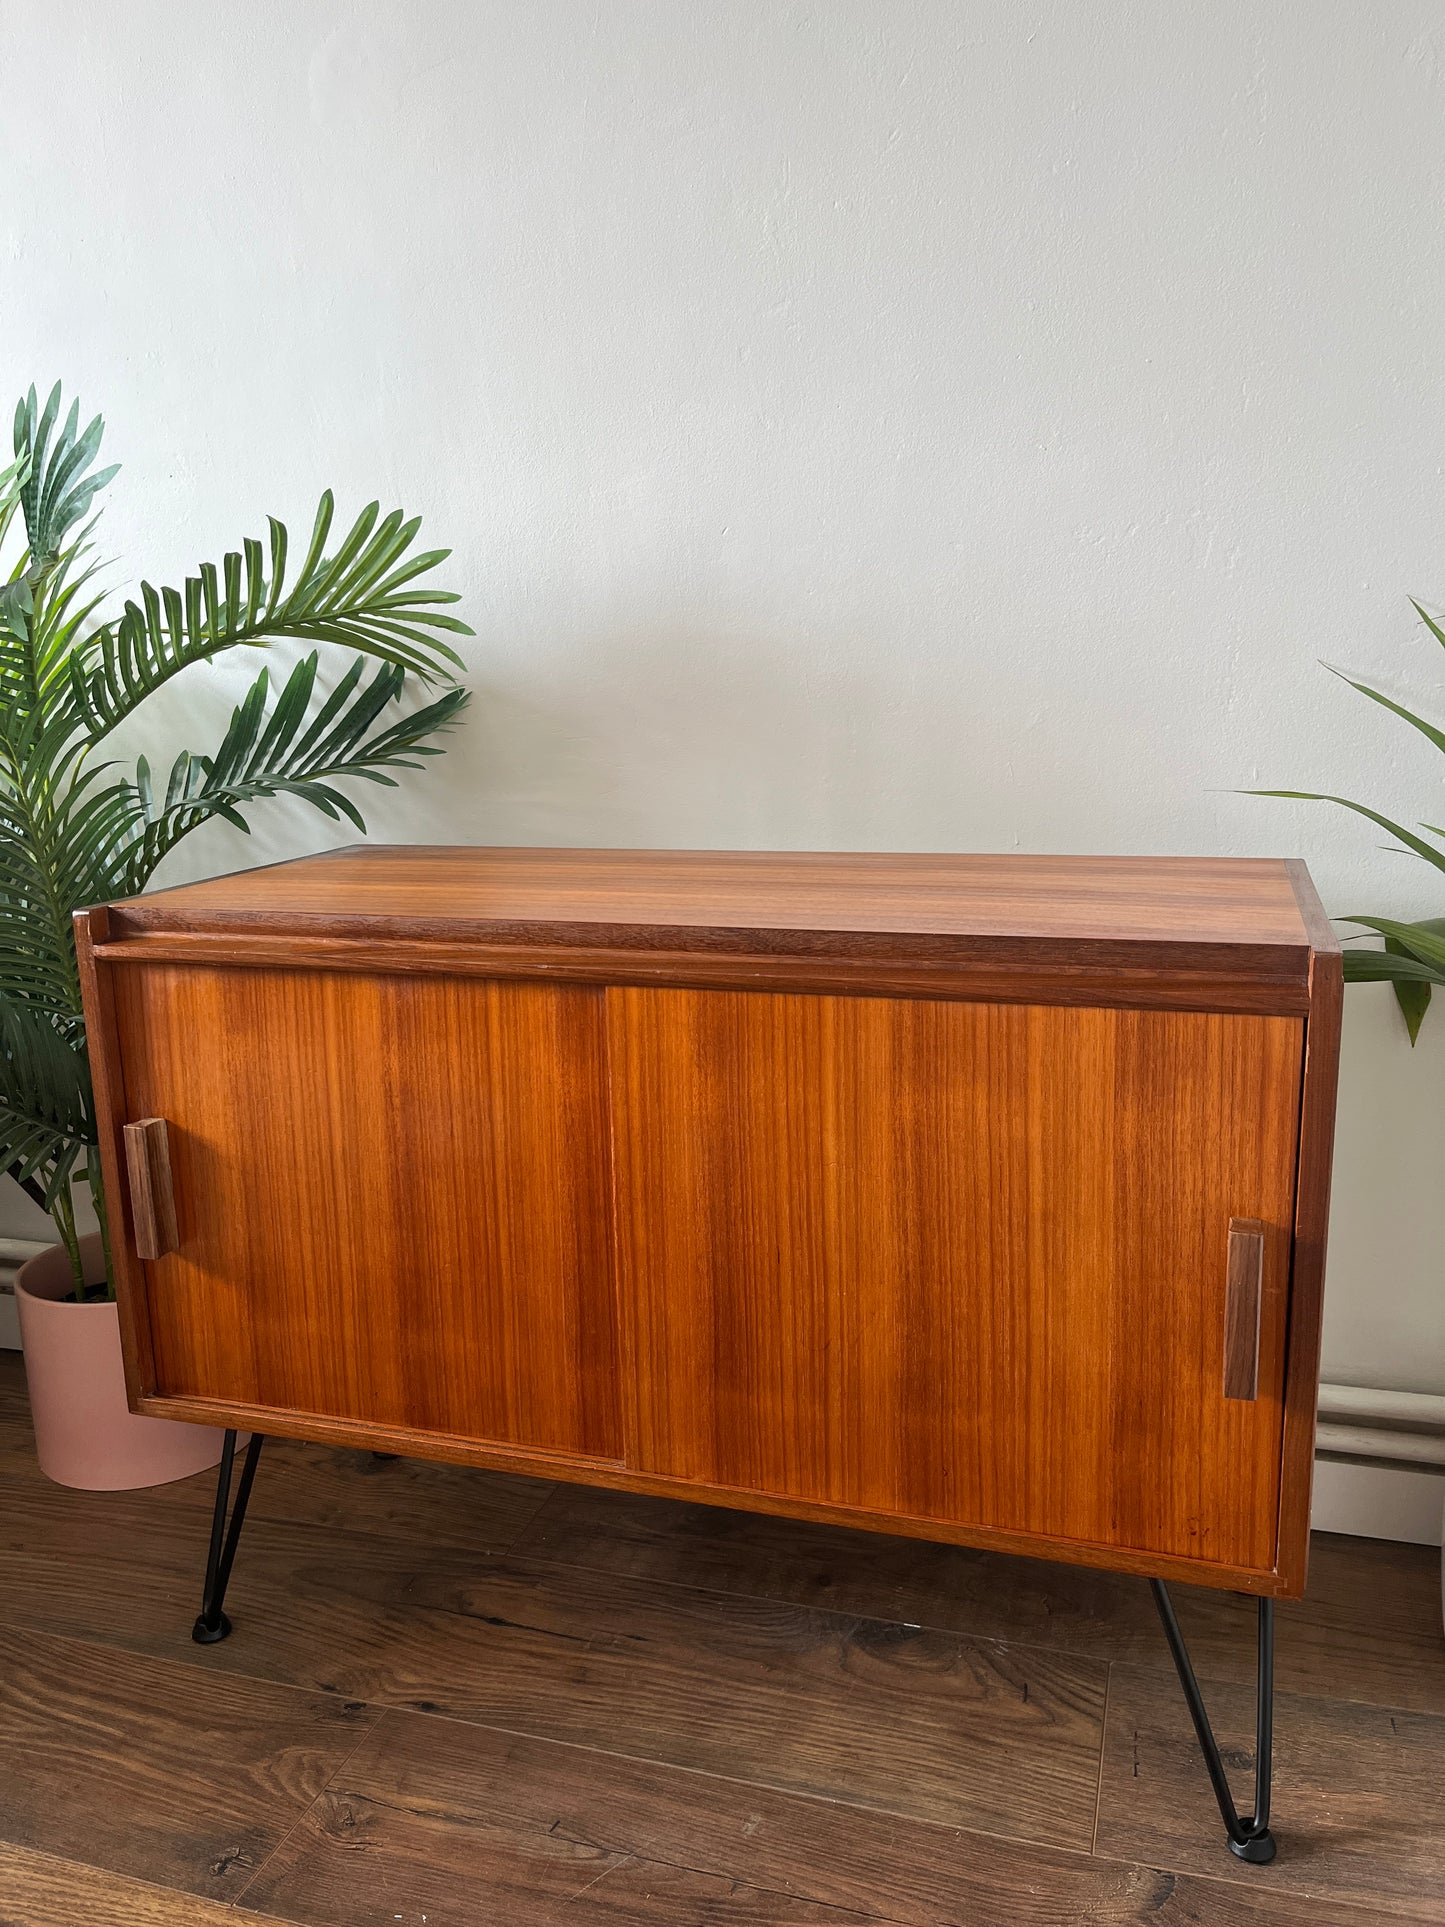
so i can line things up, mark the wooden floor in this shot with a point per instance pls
(464, 1700)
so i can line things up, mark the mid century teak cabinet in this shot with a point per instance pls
(977, 1198)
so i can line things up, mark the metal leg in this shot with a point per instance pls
(213, 1624)
(1249, 1837)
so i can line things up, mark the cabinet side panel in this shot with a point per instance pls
(1317, 1136)
(958, 1262)
(108, 1082)
(392, 1196)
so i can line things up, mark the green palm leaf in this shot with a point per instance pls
(1427, 730)
(47, 1112)
(1411, 842)
(12, 481)
(365, 596)
(16, 596)
(1411, 980)
(292, 748)
(1413, 957)
(1416, 942)
(57, 490)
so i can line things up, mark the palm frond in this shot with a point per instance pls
(366, 596)
(288, 749)
(1411, 842)
(1427, 730)
(15, 594)
(60, 614)
(17, 601)
(40, 626)
(38, 865)
(1413, 958)
(1411, 943)
(1411, 980)
(47, 1110)
(57, 490)
(12, 480)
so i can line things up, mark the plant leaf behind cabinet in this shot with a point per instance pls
(1413, 957)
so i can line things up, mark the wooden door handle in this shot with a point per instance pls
(152, 1200)
(1243, 1295)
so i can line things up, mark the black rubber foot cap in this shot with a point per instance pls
(205, 1634)
(1260, 1849)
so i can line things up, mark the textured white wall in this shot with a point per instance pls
(868, 423)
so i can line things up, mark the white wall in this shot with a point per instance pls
(867, 423)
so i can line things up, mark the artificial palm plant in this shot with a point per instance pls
(1413, 959)
(76, 827)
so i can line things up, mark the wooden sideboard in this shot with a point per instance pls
(978, 1198)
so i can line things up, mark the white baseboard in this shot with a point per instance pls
(1378, 1502)
(13, 1253)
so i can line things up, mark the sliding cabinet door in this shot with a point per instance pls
(963, 1263)
(392, 1198)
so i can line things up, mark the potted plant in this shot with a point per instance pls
(77, 828)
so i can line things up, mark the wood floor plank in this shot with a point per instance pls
(1359, 1793)
(393, 1859)
(428, 1815)
(1368, 1628)
(393, 1498)
(964, 1732)
(696, 1716)
(157, 1770)
(14, 1406)
(39, 1891)
(17, 1435)
(302, 1482)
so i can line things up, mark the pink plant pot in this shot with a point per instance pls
(85, 1433)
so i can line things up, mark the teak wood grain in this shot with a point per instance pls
(956, 1262)
(866, 1188)
(391, 1196)
(1209, 933)
(737, 894)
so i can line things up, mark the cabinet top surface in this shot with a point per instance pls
(586, 894)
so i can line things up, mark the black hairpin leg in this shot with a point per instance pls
(213, 1623)
(1249, 1837)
